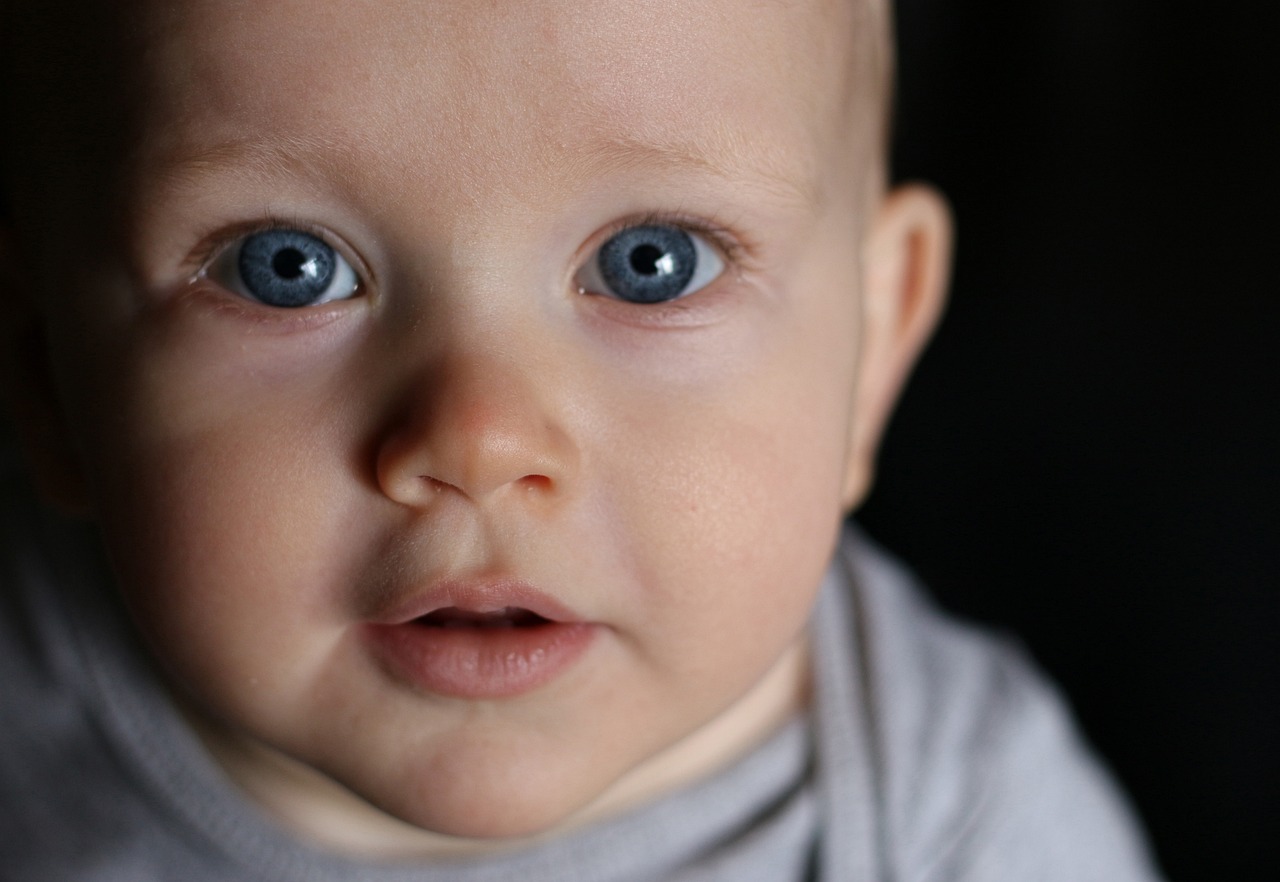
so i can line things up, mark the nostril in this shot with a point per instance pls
(435, 485)
(537, 483)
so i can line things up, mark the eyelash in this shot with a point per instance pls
(732, 246)
(212, 246)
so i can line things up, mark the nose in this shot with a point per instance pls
(474, 427)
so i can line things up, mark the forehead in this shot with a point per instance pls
(762, 88)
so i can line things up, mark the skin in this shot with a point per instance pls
(265, 480)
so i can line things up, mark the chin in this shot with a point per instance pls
(493, 821)
(512, 806)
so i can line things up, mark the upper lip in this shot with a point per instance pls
(478, 595)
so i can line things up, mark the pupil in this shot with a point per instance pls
(288, 263)
(645, 258)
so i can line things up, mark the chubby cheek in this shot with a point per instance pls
(732, 503)
(215, 488)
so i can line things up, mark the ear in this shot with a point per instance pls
(27, 389)
(906, 264)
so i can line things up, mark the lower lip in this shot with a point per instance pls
(479, 663)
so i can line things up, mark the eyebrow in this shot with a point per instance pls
(736, 160)
(264, 158)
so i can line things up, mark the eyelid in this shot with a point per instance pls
(214, 246)
(730, 245)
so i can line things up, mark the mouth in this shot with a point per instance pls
(454, 618)
(478, 603)
(479, 640)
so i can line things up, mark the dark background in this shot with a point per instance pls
(1088, 452)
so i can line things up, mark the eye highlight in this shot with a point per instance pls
(285, 268)
(651, 263)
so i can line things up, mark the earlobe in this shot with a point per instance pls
(27, 392)
(906, 266)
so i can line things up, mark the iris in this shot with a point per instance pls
(290, 268)
(648, 264)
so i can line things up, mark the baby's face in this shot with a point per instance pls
(469, 411)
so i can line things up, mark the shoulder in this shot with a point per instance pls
(980, 770)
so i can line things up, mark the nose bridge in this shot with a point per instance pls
(474, 422)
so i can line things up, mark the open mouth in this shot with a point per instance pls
(483, 639)
(453, 618)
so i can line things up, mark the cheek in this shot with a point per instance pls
(732, 490)
(750, 452)
(216, 486)
(738, 494)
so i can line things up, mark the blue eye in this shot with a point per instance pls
(654, 263)
(285, 268)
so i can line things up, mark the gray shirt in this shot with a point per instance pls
(932, 752)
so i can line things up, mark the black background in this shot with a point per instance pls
(1087, 454)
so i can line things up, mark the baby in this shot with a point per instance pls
(467, 397)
